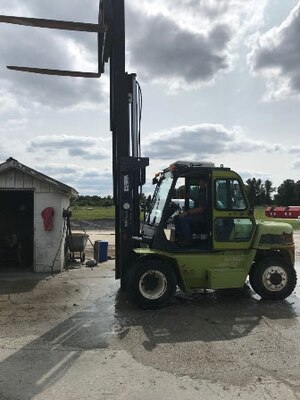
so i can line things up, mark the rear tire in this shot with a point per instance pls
(273, 279)
(151, 283)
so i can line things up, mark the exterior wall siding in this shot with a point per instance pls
(49, 246)
(15, 179)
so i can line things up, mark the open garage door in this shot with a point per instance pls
(16, 229)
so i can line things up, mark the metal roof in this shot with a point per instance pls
(11, 163)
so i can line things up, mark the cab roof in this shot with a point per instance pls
(185, 166)
(192, 164)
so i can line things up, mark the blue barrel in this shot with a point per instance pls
(100, 250)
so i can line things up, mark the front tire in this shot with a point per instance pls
(273, 279)
(151, 283)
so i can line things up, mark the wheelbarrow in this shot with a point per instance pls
(76, 243)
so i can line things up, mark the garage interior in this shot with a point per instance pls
(16, 229)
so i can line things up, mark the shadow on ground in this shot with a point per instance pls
(204, 316)
(113, 322)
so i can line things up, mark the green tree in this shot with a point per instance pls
(94, 201)
(298, 193)
(269, 189)
(179, 193)
(287, 193)
(255, 191)
(259, 193)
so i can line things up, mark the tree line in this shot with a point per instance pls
(260, 193)
(263, 193)
(94, 201)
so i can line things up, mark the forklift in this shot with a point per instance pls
(227, 247)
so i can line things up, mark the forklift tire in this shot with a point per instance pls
(151, 283)
(273, 279)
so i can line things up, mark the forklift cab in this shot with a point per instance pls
(227, 222)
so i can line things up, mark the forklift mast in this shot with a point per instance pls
(125, 116)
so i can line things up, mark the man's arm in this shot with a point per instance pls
(193, 211)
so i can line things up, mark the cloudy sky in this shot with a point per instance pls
(220, 81)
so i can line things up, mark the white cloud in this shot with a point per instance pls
(161, 50)
(202, 141)
(296, 164)
(8, 101)
(84, 147)
(84, 180)
(255, 174)
(276, 55)
(56, 49)
(75, 10)
(13, 125)
(294, 149)
(201, 15)
(168, 44)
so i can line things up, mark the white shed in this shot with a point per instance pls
(32, 227)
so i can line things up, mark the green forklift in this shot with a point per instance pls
(226, 248)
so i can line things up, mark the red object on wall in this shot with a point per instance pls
(283, 212)
(48, 214)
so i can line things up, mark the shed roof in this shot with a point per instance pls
(11, 163)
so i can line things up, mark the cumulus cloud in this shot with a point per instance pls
(47, 51)
(296, 164)
(166, 42)
(239, 14)
(294, 149)
(161, 49)
(84, 147)
(2, 153)
(12, 126)
(276, 55)
(202, 141)
(8, 102)
(56, 9)
(56, 49)
(254, 174)
(84, 180)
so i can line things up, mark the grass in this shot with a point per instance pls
(260, 215)
(90, 213)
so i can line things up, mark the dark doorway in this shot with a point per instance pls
(16, 229)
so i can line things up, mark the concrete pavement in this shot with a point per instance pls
(76, 336)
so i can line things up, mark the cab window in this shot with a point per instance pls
(229, 195)
(233, 229)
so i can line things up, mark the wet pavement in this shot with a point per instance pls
(77, 336)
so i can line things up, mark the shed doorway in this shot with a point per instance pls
(16, 229)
